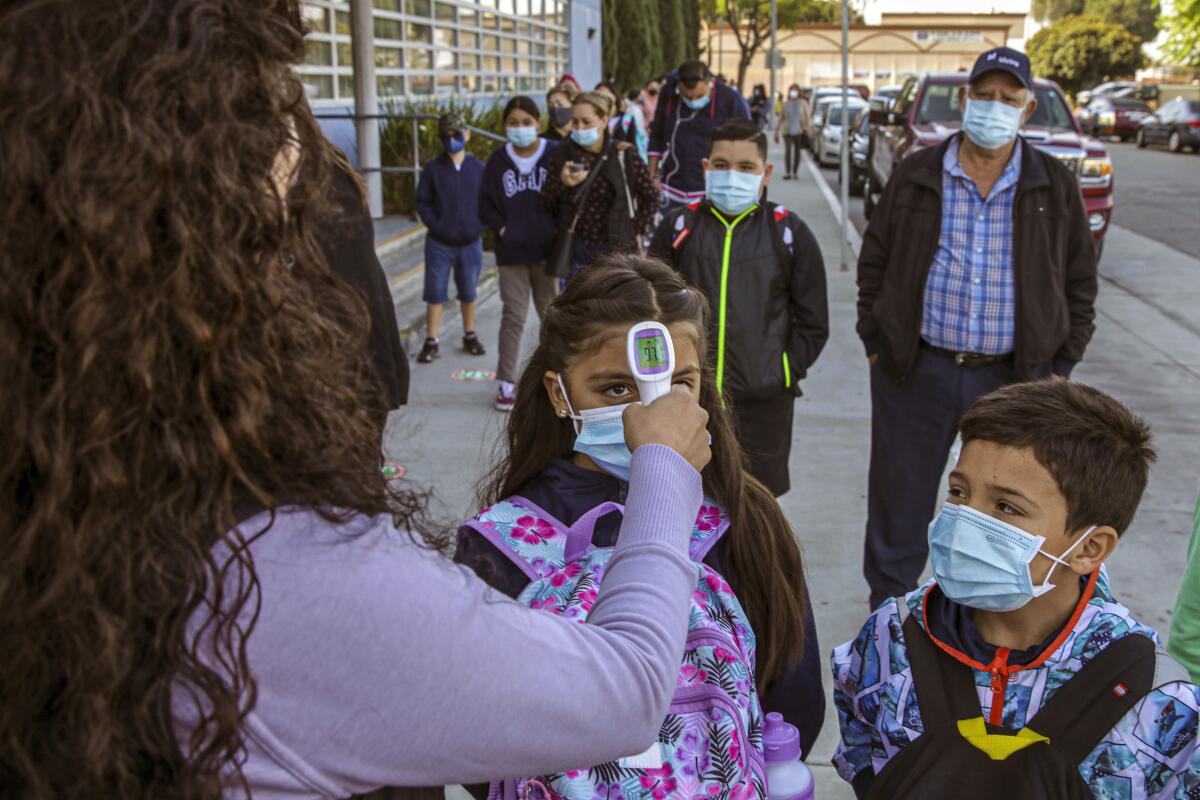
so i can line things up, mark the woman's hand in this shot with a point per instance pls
(675, 420)
(571, 178)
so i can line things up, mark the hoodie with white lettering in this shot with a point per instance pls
(510, 200)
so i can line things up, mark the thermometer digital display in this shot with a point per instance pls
(651, 359)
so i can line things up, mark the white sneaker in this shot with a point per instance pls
(506, 397)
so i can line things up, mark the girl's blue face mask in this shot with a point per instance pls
(522, 136)
(983, 563)
(600, 435)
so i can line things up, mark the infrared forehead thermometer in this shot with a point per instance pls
(651, 359)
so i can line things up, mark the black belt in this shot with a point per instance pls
(968, 360)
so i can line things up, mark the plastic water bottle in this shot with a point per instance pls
(788, 778)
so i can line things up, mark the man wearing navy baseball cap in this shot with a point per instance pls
(977, 270)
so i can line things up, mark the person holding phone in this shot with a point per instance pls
(616, 206)
(209, 588)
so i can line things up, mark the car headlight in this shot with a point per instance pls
(1095, 171)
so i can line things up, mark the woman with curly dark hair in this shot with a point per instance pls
(206, 588)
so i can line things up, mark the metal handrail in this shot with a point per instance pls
(416, 119)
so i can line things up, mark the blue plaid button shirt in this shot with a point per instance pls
(970, 299)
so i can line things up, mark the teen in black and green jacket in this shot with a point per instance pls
(764, 276)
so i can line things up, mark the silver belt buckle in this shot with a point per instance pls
(959, 359)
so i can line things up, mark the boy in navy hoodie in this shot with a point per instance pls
(448, 204)
(510, 204)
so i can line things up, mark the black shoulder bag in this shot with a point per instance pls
(562, 254)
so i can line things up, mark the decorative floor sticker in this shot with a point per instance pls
(474, 375)
(393, 471)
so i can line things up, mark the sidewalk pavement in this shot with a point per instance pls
(1146, 352)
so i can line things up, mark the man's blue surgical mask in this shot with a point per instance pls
(586, 137)
(732, 192)
(983, 563)
(600, 435)
(990, 123)
(522, 136)
(699, 102)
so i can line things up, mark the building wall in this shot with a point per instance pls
(587, 38)
(425, 49)
(882, 55)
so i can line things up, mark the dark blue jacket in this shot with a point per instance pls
(513, 201)
(448, 200)
(681, 136)
(568, 491)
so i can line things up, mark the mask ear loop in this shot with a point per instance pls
(576, 420)
(1046, 584)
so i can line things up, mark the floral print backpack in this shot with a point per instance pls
(709, 746)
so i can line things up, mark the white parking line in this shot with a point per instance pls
(836, 207)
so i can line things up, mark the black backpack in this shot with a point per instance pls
(1039, 761)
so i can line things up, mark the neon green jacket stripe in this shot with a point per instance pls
(729, 226)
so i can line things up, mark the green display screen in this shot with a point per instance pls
(652, 353)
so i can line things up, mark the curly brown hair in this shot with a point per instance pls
(175, 355)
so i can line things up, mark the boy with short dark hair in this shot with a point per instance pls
(1015, 672)
(763, 273)
(448, 204)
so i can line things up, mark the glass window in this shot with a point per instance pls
(418, 8)
(508, 46)
(489, 21)
(318, 54)
(445, 12)
(387, 5)
(318, 87)
(343, 23)
(527, 84)
(446, 84)
(508, 25)
(525, 29)
(345, 86)
(523, 46)
(444, 37)
(419, 59)
(468, 62)
(387, 29)
(508, 65)
(491, 43)
(508, 6)
(507, 83)
(345, 54)
(389, 85)
(469, 83)
(445, 59)
(388, 57)
(420, 84)
(523, 66)
(419, 33)
(468, 17)
(939, 104)
(316, 18)
(491, 65)
(468, 40)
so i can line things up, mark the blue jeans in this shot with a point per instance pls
(465, 261)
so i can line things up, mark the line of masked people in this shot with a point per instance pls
(210, 590)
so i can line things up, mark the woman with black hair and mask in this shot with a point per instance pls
(510, 204)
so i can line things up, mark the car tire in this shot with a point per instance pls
(1141, 138)
(1174, 143)
(868, 198)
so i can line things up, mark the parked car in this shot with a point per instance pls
(1109, 89)
(829, 137)
(1177, 124)
(860, 142)
(890, 92)
(1114, 116)
(926, 113)
(811, 125)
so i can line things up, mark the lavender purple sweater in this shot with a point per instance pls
(379, 663)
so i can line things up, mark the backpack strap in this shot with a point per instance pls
(684, 224)
(711, 524)
(1093, 701)
(945, 688)
(523, 532)
(784, 237)
(579, 535)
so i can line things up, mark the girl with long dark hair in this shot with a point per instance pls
(206, 587)
(580, 364)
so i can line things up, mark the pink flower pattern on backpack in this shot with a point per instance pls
(710, 743)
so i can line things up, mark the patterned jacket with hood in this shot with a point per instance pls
(1150, 755)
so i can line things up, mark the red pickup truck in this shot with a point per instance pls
(926, 112)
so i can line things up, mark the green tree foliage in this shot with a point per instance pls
(673, 25)
(1183, 34)
(1054, 10)
(633, 41)
(1080, 52)
(1139, 16)
(691, 22)
(750, 21)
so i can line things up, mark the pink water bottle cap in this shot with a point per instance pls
(781, 740)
